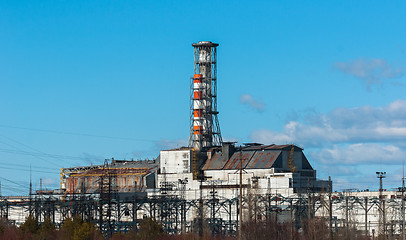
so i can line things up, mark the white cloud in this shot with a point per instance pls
(367, 153)
(231, 139)
(343, 125)
(339, 169)
(267, 136)
(370, 71)
(349, 184)
(92, 159)
(348, 142)
(253, 103)
(50, 182)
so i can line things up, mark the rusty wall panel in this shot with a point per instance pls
(263, 159)
(216, 162)
(234, 162)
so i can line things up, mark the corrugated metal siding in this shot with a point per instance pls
(234, 162)
(255, 157)
(216, 162)
(263, 159)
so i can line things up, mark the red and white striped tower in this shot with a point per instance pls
(204, 126)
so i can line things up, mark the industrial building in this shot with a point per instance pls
(207, 181)
(126, 176)
(267, 168)
(207, 168)
(282, 168)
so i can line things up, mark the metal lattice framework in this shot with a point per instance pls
(343, 211)
(204, 125)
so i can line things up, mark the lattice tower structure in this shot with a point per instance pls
(204, 125)
(107, 200)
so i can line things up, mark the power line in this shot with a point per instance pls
(51, 162)
(36, 154)
(16, 183)
(80, 134)
(27, 170)
(69, 133)
(25, 166)
(17, 190)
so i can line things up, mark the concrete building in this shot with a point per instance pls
(267, 168)
(127, 176)
(208, 170)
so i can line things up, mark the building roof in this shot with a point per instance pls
(178, 149)
(139, 165)
(270, 147)
(237, 157)
(253, 156)
(217, 161)
(264, 159)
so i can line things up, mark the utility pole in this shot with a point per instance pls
(291, 219)
(240, 201)
(1, 207)
(366, 215)
(183, 183)
(382, 220)
(403, 205)
(201, 212)
(214, 229)
(347, 227)
(309, 200)
(30, 204)
(330, 208)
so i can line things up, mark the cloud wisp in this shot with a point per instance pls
(370, 71)
(165, 144)
(347, 136)
(365, 153)
(249, 100)
(343, 125)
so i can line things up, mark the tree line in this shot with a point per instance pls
(149, 229)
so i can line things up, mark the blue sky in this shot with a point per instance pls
(82, 81)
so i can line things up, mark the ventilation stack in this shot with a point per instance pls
(204, 125)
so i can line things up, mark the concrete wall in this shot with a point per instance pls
(178, 161)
